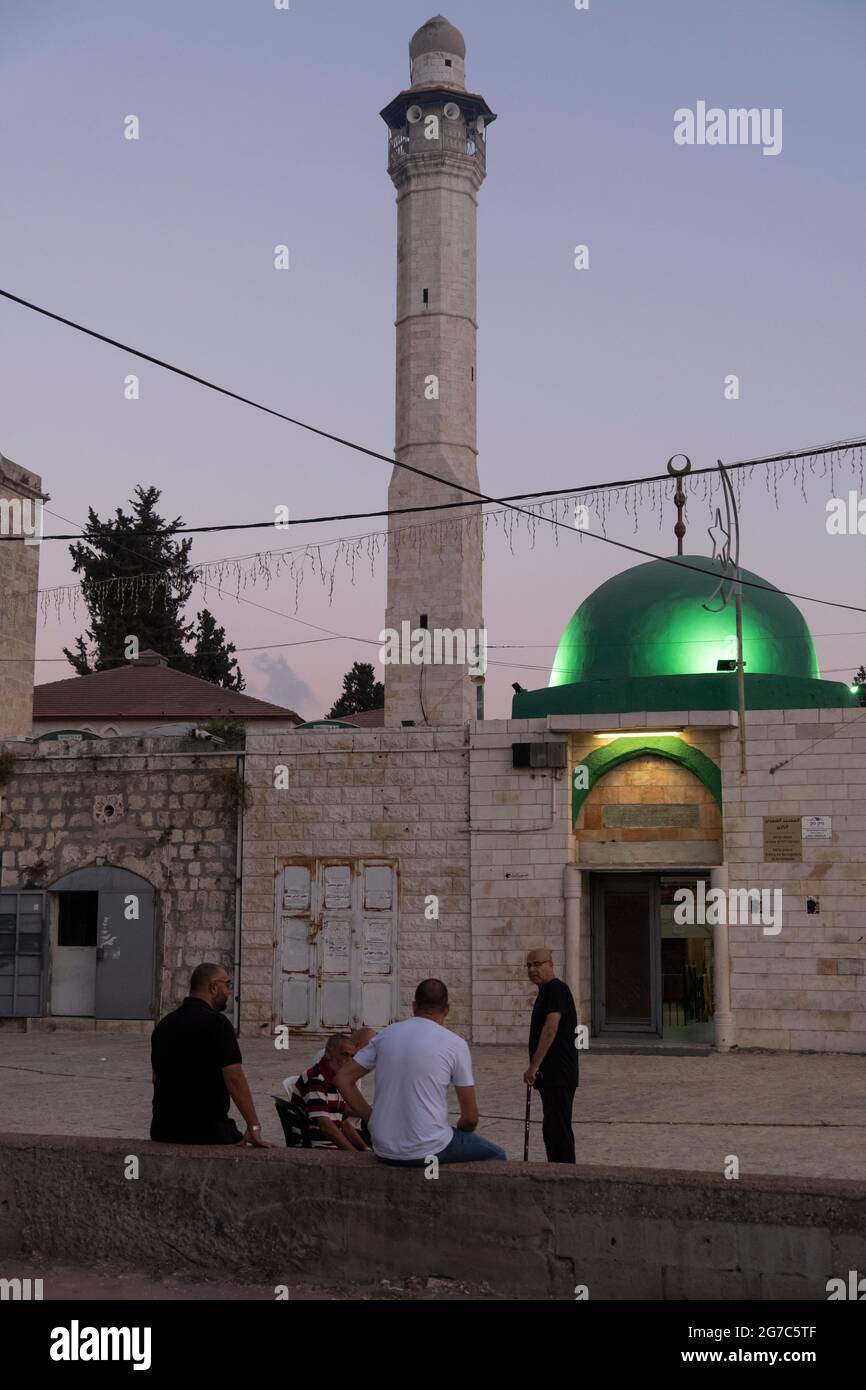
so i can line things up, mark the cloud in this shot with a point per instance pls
(273, 679)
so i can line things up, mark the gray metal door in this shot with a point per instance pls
(124, 985)
(124, 954)
(22, 953)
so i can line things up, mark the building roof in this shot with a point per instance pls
(148, 689)
(652, 620)
(437, 36)
(646, 640)
(366, 719)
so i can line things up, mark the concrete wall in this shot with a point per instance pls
(19, 581)
(511, 1230)
(177, 829)
(804, 988)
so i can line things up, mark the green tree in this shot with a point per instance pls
(213, 657)
(361, 691)
(860, 679)
(141, 543)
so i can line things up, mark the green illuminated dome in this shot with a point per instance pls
(650, 622)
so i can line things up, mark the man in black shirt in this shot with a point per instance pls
(552, 1066)
(197, 1070)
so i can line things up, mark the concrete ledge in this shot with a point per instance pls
(523, 1230)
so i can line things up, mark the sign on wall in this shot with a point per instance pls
(817, 827)
(783, 839)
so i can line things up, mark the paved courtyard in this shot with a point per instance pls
(795, 1115)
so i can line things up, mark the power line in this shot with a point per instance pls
(549, 494)
(433, 477)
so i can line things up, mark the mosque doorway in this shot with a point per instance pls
(652, 971)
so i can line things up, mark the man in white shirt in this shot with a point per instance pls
(415, 1062)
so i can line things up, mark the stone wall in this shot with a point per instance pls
(177, 829)
(520, 845)
(401, 796)
(805, 987)
(506, 1230)
(19, 581)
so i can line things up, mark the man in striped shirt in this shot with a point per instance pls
(314, 1092)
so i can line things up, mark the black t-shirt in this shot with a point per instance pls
(559, 1067)
(188, 1051)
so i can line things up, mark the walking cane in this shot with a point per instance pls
(526, 1126)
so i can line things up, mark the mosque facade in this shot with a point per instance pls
(690, 845)
(696, 872)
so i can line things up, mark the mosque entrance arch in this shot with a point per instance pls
(648, 825)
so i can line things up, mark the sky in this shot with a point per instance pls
(259, 127)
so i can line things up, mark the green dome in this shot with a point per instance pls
(650, 621)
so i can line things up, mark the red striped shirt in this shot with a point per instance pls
(315, 1093)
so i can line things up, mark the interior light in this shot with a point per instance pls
(643, 733)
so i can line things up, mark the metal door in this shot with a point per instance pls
(336, 944)
(124, 954)
(626, 949)
(124, 964)
(22, 953)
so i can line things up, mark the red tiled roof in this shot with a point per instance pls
(148, 689)
(365, 719)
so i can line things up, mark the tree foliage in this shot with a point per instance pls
(361, 691)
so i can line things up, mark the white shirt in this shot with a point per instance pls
(415, 1062)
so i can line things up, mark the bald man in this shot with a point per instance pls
(552, 1066)
(197, 1069)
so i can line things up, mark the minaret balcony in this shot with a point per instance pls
(455, 138)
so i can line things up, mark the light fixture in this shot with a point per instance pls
(642, 733)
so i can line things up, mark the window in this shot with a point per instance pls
(76, 923)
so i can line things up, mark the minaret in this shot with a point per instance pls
(437, 160)
(21, 500)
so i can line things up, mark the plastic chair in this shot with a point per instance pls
(296, 1126)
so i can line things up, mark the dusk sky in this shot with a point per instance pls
(261, 127)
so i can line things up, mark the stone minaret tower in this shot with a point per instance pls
(437, 159)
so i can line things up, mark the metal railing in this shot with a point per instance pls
(454, 138)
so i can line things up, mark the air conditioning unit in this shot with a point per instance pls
(556, 753)
(538, 755)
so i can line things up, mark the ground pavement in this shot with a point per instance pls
(784, 1113)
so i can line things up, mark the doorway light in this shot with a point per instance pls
(642, 733)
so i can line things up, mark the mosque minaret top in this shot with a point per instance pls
(438, 55)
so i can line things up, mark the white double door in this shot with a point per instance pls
(336, 944)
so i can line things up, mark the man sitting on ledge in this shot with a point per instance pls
(314, 1092)
(415, 1062)
(197, 1070)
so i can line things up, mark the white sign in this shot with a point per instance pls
(817, 827)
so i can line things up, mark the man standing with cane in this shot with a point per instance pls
(553, 1068)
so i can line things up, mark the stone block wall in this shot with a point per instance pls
(805, 987)
(178, 830)
(397, 795)
(19, 581)
(520, 827)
